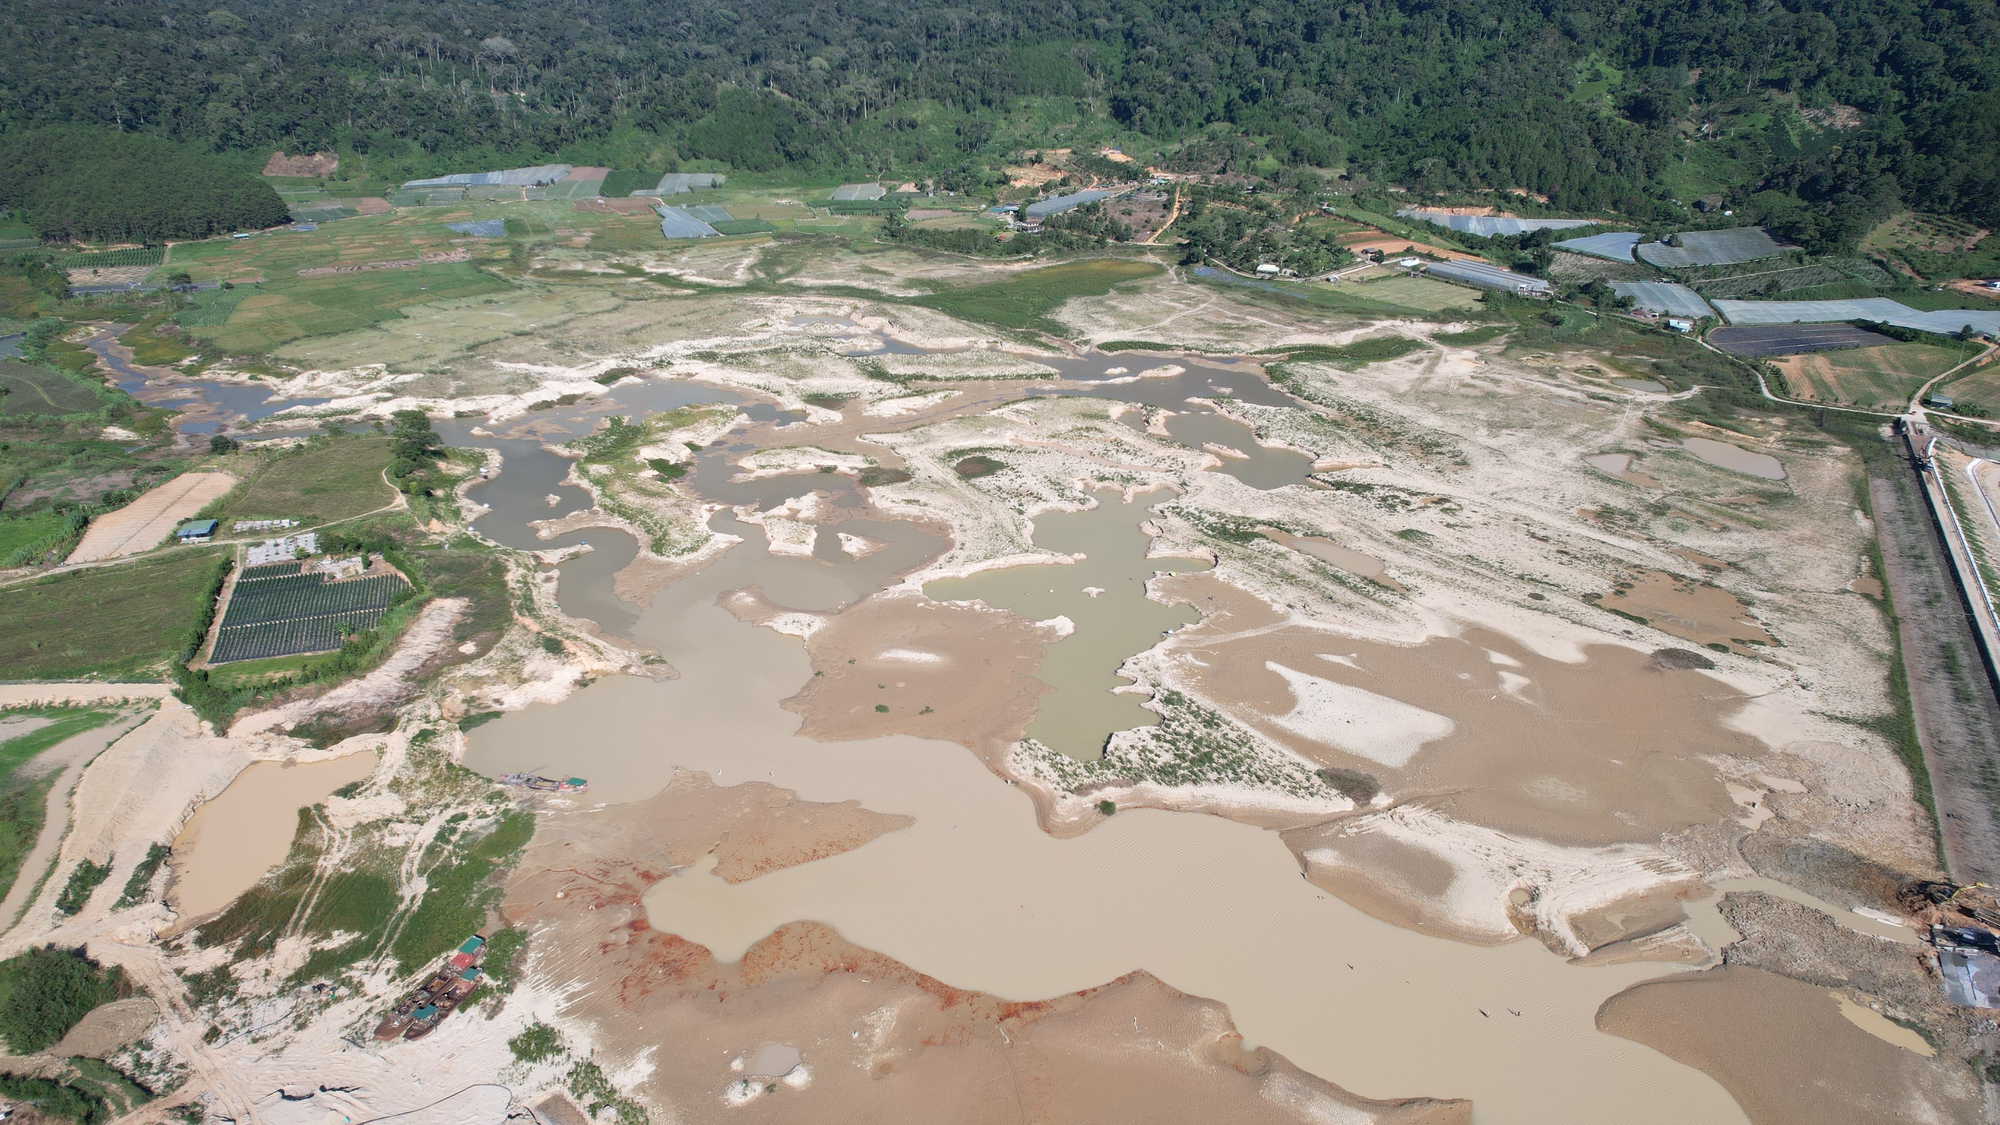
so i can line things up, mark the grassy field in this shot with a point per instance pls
(329, 479)
(279, 312)
(1024, 300)
(24, 801)
(38, 390)
(1360, 353)
(18, 531)
(109, 622)
(1884, 376)
(1419, 293)
(1979, 388)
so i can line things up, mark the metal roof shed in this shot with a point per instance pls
(196, 529)
(1488, 277)
(1063, 203)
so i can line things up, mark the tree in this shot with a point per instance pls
(223, 443)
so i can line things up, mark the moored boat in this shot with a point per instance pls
(542, 784)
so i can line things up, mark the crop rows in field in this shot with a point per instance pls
(290, 637)
(102, 259)
(278, 611)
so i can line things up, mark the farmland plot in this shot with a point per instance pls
(278, 610)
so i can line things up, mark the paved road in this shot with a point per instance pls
(1957, 717)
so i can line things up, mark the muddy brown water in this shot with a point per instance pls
(234, 840)
(1735, 458)
(978, 896)
(1113, 623)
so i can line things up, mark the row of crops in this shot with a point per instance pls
(279, 610)
(107, 259)
(308, 595)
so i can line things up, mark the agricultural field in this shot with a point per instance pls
(1419, 293)
(1024, 300)
(1978, 390)
(327, 479)
(276, 610)
(107, 622)
(1882, 377)
(279, 312)
(38, 390)
(1933, 246)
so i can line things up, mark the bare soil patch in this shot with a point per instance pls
(146, 522)
(307, 164)
(1606, 751)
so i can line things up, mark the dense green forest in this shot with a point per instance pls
(96, 185)
(1814, 115)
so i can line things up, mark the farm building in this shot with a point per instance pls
(1944, 322)
(1613, 247)
(1711, 248)
(281, 609)
(281, 550)
(1489, 277)
(678, 222)
(1664, 298)
(1942, 402)
(481, 228)
(196, 531)
(681, 183)
(512, 177)
(1061, 203)
(1486, 226)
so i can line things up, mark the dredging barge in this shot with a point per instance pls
(545, 784)
(419, 1012)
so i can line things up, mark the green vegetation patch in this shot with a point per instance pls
(1471, 336)
(326, 479)
(285, 309)
(83, 883)
(108, 622)
(1372, 349)
(142, 876)
(45, 992)
(460, 877)
(25, 389)
(24, 800)
(1025, 300)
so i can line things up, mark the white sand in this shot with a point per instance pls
(1358, 721)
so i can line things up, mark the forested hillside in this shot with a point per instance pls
(1816, 115)
(95, 185)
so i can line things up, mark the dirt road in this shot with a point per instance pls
(1957, 718)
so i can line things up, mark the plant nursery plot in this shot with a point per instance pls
(279, 610)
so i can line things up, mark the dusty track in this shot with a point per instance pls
(1957, 719)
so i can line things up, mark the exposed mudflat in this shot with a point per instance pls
(1786, 1053)
(808, 1026)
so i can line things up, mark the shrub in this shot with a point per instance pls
(46, 992)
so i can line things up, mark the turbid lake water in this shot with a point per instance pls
(1735, 458)
(232, 841)
(1104, 596)
(978, 896)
